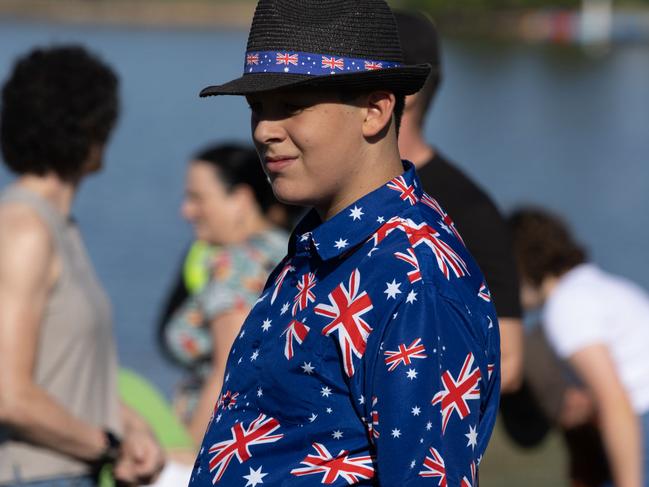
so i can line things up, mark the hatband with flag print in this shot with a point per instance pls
(338, 44)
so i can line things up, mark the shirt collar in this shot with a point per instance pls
(359, 221)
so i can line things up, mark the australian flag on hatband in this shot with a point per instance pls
(369, 359)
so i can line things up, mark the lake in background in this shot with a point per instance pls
(533, 124)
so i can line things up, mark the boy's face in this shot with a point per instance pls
(308, 142)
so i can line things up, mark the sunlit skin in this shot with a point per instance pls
(218, 215)
(319, 151)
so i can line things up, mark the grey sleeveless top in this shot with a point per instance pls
(76, 359)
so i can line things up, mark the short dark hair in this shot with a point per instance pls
(56, 104)
(543, 245)
(420, 45)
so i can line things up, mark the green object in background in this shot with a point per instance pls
(195, 269)
(140, 395)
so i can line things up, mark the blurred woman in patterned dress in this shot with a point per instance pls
(231, 207)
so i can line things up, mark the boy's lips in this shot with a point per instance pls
(277, 163)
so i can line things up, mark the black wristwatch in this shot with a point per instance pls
(113, 449)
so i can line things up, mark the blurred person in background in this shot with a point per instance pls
(60, 417)
(228, 200)
(599, 323)
(477, 218)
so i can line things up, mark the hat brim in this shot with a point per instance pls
(405, 80)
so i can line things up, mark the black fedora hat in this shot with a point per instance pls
(345, 44)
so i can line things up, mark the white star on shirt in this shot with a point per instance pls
(412, 464)
(261, 298)
(380, 219)
(254, 477)
(411, 374)
(260, 392)
(396, 433)
(227, 377)
(392, 289)
(472, 435)
(341, 243)
(361, 400)
(429, 426)
(313, 417)
(305, 237)
(266, 325)
(356, 213)
(329, 410)
(284, 309)
(445, 227)
(240, 359)
(254, 355)
(243, 332)
(218, 417)
(416, 411)
(337, 435)
(412, 297)
(307, 368)
(325, 391)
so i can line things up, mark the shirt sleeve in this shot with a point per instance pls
(573, 321)
(433, 395)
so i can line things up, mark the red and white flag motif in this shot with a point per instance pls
(373, 424)
(352, 469)
(279, 280)
(407, 190)
(372, 66)
(346, 308)
(387, 228)
(447, 259)
(332, 63)
(257, 433)
(456, 393)
(252, 59)
(410, 258)
(446, 220)
(294, 331)
(405, 354)
(227, 400)
(434, 467)
(305, 292)
(286, 58)
(490, 369)
(465, 481)
(484, 293)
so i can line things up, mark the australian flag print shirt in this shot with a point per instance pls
(370, 358)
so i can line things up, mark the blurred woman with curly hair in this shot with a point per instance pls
(60, 416)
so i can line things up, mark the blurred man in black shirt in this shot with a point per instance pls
(479, 222)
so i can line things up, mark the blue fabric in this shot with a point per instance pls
(85, 481)
(371, 357)
(308, 63)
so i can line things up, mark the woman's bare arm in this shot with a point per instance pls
(28, 268)
(618, 422)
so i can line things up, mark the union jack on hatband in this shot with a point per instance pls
(310, 64)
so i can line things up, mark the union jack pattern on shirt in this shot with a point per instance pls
(373, 358)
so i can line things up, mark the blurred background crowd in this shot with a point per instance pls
(543, 104)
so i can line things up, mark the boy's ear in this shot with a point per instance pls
(379, 109)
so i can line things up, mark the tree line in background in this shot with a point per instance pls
(467, 6)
